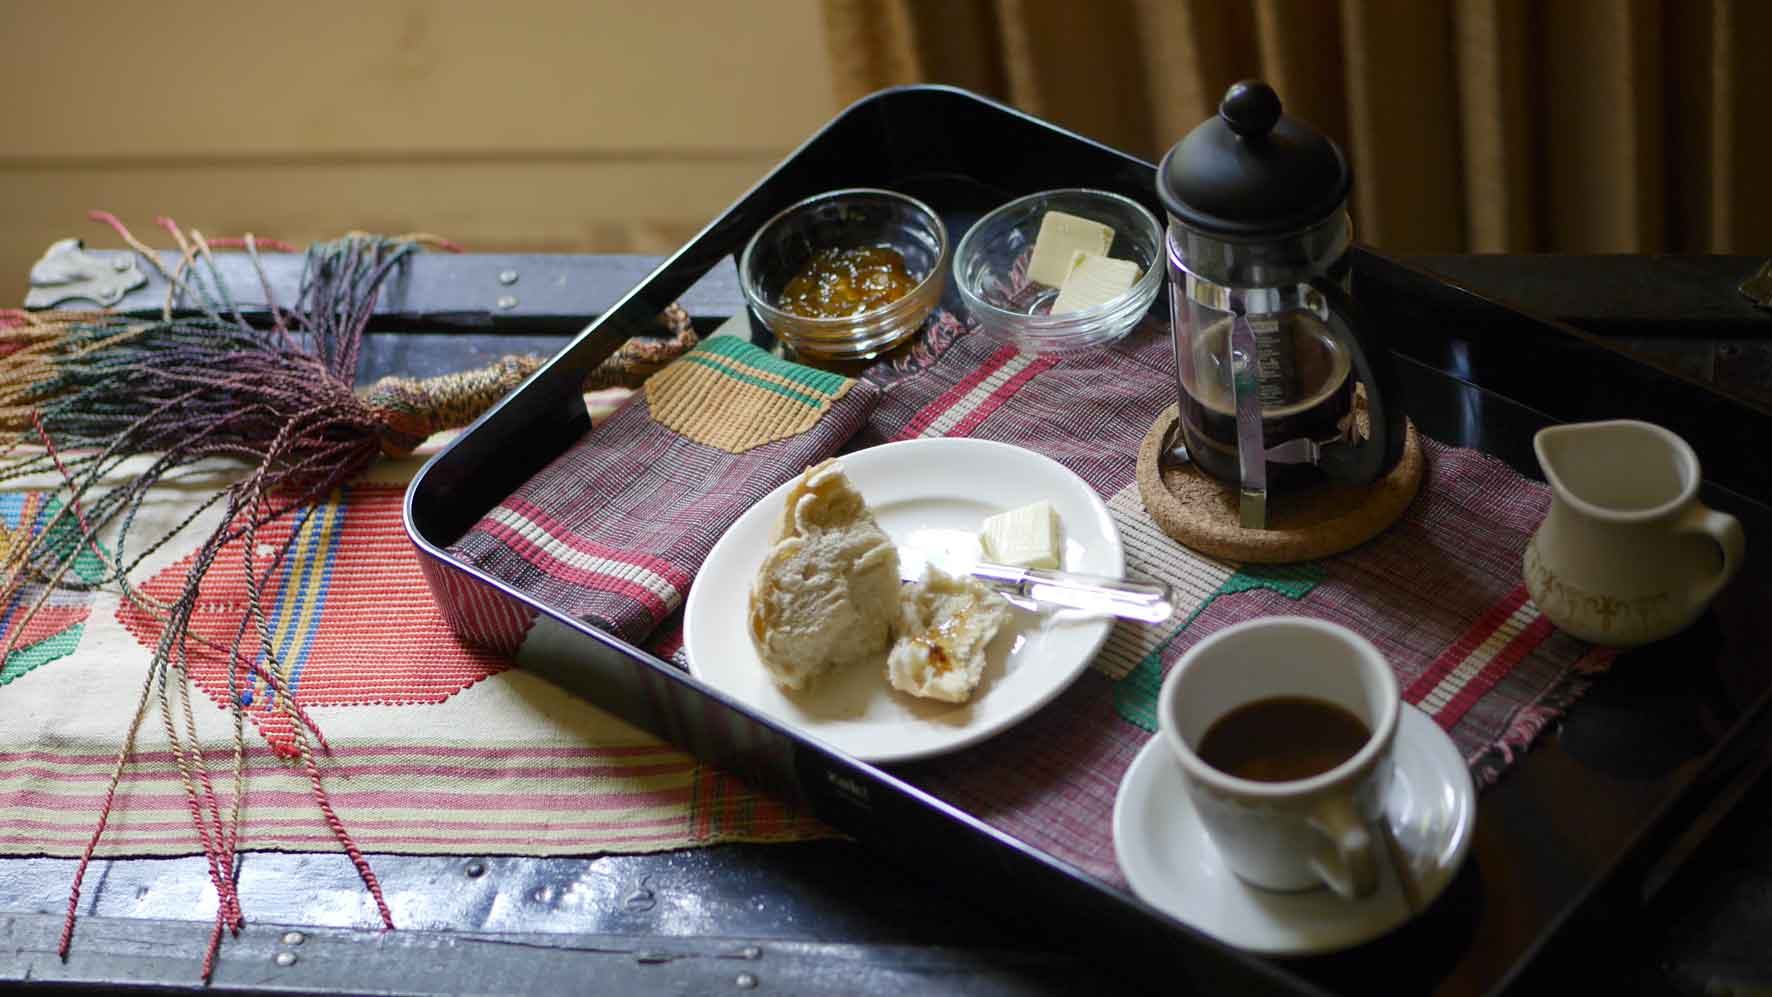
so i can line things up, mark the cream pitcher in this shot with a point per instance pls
(1627, 554)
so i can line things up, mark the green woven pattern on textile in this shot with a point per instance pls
(65, 538)
(748, 378)
(1135, 696)
(1294, 581)
(62, 542)
(821, 382)
(24, 660)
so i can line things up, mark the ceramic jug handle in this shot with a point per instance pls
(1347, 860)
(1726, 531)
(1363, 463)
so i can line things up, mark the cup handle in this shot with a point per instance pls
(1347, 859)
(1726, 531)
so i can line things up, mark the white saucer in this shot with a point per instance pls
(1173, 865)
(933, 494)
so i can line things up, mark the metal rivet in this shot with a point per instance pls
(475, 869)
(507, 277)
(507, 302)
(750, 952)
(294, 938)
(284, 958)
(746, 981)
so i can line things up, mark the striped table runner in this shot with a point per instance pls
(618, 791)
(435, 746)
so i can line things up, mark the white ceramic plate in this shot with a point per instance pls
(933, 494)
(1172, 865)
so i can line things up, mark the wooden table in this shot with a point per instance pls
(826, 917)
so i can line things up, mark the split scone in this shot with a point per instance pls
(944, 625)
(826, 595)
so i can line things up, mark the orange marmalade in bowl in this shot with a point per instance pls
(842, 282)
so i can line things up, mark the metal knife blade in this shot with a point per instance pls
(1147, 602)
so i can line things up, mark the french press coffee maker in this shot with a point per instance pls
(1268, 341)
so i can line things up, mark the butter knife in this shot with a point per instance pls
(1147, 602)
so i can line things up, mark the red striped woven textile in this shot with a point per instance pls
(349, 570)
(416, 797)
(1439, 593)
(614, 529)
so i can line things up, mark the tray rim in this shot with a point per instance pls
(437, 562)
(437, 559)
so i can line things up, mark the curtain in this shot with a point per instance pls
(1514, 126)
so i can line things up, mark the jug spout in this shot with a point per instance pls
(1619, 470)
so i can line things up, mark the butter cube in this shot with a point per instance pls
(1024, 537)
(1077, 259)
(1096, 280)
(1060, 236)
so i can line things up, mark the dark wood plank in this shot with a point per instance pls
(297, 958)
(470, 293)
(807, 892)
(1664, 296)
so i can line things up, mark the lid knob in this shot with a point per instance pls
(1250, 108)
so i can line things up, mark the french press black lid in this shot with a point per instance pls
(1253, 172)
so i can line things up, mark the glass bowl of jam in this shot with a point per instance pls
(847, 274)
(1049, 298)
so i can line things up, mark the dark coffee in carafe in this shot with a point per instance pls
(1312, 400)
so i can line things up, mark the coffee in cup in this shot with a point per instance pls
(1283, 729)
(1282, 738)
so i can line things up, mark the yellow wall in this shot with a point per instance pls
(539, 125)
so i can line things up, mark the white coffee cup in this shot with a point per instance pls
(1304, 833)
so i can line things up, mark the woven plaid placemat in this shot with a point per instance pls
(1440, 593)
(614, 529)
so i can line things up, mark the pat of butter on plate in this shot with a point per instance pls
(1095, 280)
(1023, 537)
(1060, 237)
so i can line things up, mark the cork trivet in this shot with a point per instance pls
(1200, 511)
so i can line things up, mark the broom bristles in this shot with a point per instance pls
(103, 388)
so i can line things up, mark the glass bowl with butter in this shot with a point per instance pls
(847, 274)
(1061, 269)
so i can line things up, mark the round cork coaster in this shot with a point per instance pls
(1200, 511)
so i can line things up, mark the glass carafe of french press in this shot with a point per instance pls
(1268, 342)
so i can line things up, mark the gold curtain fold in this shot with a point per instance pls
(1472, 125)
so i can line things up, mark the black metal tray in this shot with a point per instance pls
(1568, 834)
